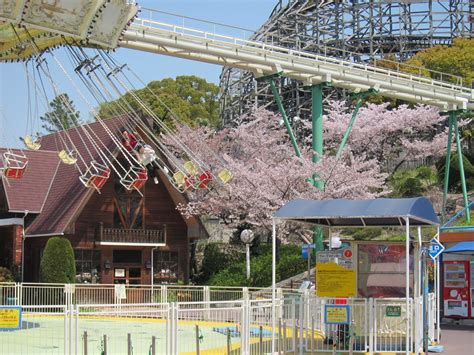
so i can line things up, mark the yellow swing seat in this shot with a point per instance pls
(31, 144)
(225, 175)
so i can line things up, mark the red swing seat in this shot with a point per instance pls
(95, 176)
(205, 179)
(135, 178)
(15, 165)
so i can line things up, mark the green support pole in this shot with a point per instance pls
(447, 164)
(349, 127)
(317, 145)
(461, 167)
(276, 94)
(360, 97)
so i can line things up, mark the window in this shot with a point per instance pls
(381, 270)
(127, 256)
(166, 266)
(128, 208)
(87, 266)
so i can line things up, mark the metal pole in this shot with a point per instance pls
(129, 344)
(197, 339)
(461, 168)
(407, 284)
(153, 345)
(309, 262)
(229, 346)
(279, 336)
(85, 342)
(317, 127)
(438, 296)
(261, 340)
(273, 283)
(447, 164)
(247, 249)
(279, 103)
(349, 128)
(105, 345)
(284, 338)
(425, 301)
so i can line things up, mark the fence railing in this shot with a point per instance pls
(79, 320)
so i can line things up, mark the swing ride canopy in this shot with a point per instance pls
(46, 25)
(383, 212)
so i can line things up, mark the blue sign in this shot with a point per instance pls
(435, 249)
(337, 314)
(305, 248)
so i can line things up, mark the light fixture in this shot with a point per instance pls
(107, 265)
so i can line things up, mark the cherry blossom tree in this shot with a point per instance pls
(267, 173)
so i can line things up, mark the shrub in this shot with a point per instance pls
(6, 275)
(58, 264)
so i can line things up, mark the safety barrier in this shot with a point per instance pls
(191, 322)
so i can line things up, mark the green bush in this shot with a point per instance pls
(454, 174)
(367, 233)
(58, 264)
(6, 275)
(290, 263)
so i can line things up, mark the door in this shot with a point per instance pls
(129, 275)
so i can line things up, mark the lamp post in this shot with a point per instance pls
(247, 236)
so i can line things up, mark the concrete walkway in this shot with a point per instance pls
(457, 339)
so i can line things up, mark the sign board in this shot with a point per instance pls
(337, 314)
(334, 280)
(343, 257)
(10, 318)
(436, 248)
(393, 311)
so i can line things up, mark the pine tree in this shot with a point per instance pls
(63, 114)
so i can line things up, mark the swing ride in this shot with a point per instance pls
(105, 81)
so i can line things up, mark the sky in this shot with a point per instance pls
(247, 14)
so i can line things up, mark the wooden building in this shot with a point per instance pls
(118, 235)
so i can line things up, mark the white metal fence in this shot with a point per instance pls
(185, 320)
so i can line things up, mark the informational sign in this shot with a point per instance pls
(334, 280)
(10, 318)
(393, 311)
(436, 248)
(343, 257)
(337, 314)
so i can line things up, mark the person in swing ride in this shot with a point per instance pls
(144, 153)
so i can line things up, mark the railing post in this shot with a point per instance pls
(207, 299)
(372, 328)
(245, 293)
(164, 294)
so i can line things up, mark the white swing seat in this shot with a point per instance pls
(67, 158)
(135, 178)
(14, 165)
(30, 143)
(95, 176)
(225, 175)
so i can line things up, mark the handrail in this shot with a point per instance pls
(143, 24)
(326, 50)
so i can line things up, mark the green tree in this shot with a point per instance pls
(456, 59)
(58, 264)
(454, 174)
(62, 115)
(193, 100)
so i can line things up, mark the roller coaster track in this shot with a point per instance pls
(447, 92)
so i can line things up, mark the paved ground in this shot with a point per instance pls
(457, 339)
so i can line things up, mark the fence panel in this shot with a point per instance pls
(390, 317)
(44, 330)
(213, 327)
(9, 294)
(122, 329)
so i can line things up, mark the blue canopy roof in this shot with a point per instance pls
(461, 247)
(347, 213)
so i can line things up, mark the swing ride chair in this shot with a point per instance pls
(14, 165)
(95, 176)
(192, 178)
(135, 178)
(31, 144)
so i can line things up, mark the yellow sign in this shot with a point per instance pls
(335, 314)
(333, 280)
(10, 318)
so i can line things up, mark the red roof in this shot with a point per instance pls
(29, 193)
(53, 189)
